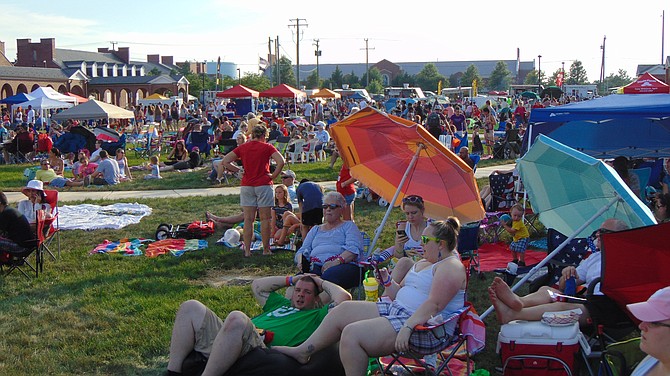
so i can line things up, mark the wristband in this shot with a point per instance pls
(288, 280)
(388, 282)
(341, 260)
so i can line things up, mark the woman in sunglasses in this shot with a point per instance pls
(654, 314)
(407, 247)
(435, 285)
(331, 249)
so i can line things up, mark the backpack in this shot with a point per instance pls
(433, 120)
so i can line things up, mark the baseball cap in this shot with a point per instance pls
(288, 173)
(656, 308)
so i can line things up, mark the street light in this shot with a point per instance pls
(539, 74)
(239, 76)
(204, 68)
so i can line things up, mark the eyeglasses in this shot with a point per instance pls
(412, 199)
(601, 231)
(658, 323)
(285, 177)
(330, 206)
(425, 239)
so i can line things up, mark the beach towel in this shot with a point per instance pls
(132, 247)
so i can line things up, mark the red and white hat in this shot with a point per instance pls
(656, 308)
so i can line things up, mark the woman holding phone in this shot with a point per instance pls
(407, 248)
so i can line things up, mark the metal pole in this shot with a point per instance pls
(379, 229)
(539, 74)
(558, 249)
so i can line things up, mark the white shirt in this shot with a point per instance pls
(30, 118)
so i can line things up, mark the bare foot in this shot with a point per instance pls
(209, 216)
(293, 352)
(506, 295)
(268, 253)
(503, 312)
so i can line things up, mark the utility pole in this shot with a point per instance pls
(367, 66)
(317, 53)
(297, 46)
(602, 63)
(270, 58)
(277, 60)
(663, 38)
(539, 74)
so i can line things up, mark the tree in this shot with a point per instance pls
(287, 75)
(531, 78)
(455, 79)
(403, 78)
(470, 75)
(337, 78)
(154, 72)
(256, 81)
(611, 81)
(375, 75)
(313, 81)
(352, 80)
(428, 77)
(375, 87)
(576, 74)
(500, 78)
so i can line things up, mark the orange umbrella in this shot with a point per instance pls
(395, 158)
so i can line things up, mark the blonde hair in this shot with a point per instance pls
(285, 190)
(447, 230)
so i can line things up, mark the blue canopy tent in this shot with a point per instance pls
(16, 99)
(630, 125)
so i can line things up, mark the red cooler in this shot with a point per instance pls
(535, 348)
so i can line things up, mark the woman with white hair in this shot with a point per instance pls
(331, 249)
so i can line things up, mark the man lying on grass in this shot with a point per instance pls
(285, 321)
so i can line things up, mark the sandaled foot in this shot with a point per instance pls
(506, 295)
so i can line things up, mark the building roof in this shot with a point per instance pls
(132, 80)
(33, 73)
(62, 55)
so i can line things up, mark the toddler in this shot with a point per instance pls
(519, 233)
(154, 168)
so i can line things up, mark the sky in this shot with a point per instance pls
(238, 31)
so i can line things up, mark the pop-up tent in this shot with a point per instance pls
(45, 91)
(16, 99)
(283, 91)
(646, 84)
(238, 91)
(94, 109)
(630, 125)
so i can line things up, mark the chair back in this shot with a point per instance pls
(52, 199)
(502, 192)
(571, 255)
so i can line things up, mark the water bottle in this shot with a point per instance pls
(570, 287)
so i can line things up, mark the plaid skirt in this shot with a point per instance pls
(422, 342)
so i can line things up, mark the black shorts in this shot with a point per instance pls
(312, 217)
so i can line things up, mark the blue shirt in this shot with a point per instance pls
(311, 196)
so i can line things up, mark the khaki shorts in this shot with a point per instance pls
(212, 324)
(259, 197)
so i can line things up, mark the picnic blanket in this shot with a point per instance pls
(95, 217)
(493, 256)
(133, 247)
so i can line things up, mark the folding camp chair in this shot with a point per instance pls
(468, 247)
(463, 340)
(20, 260)
(53, 230)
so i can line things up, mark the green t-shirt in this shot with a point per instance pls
(291, 326)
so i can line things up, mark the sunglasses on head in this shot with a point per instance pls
(330, 206)
(412, 199)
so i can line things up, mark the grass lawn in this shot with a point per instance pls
(112, 315)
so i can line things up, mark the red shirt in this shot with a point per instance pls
(344, 176)
(255, 156)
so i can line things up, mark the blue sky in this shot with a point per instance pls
(238, 31)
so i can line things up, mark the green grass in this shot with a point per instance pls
(112, 314)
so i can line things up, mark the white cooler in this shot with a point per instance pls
(535, 348)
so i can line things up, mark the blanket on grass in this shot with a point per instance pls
(493, 256)
(133, 247)
(96, 217)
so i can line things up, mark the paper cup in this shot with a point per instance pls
(371, 289)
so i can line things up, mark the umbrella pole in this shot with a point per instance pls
(558, 249)
(378, 231)
(525, 191)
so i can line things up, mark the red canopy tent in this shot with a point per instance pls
(238, 91)
(79, 99)
(646, 84)
(284, 91)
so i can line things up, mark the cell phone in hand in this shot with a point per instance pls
(401, 232)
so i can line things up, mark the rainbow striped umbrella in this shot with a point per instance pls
(395, 158)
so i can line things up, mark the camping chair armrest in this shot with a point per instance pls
(592, 286)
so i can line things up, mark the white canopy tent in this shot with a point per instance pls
(45, 91)
(94, 109)
(43, 105)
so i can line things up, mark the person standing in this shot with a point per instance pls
(256, 192)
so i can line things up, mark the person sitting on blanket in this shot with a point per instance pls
(531, 307)
(435, 285)
(292, 319)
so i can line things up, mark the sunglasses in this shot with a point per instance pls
(658, 323)
(425, 239)
(413, 199)
(601, 231)
(44, 163)
(285, 177)
(330, 206)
